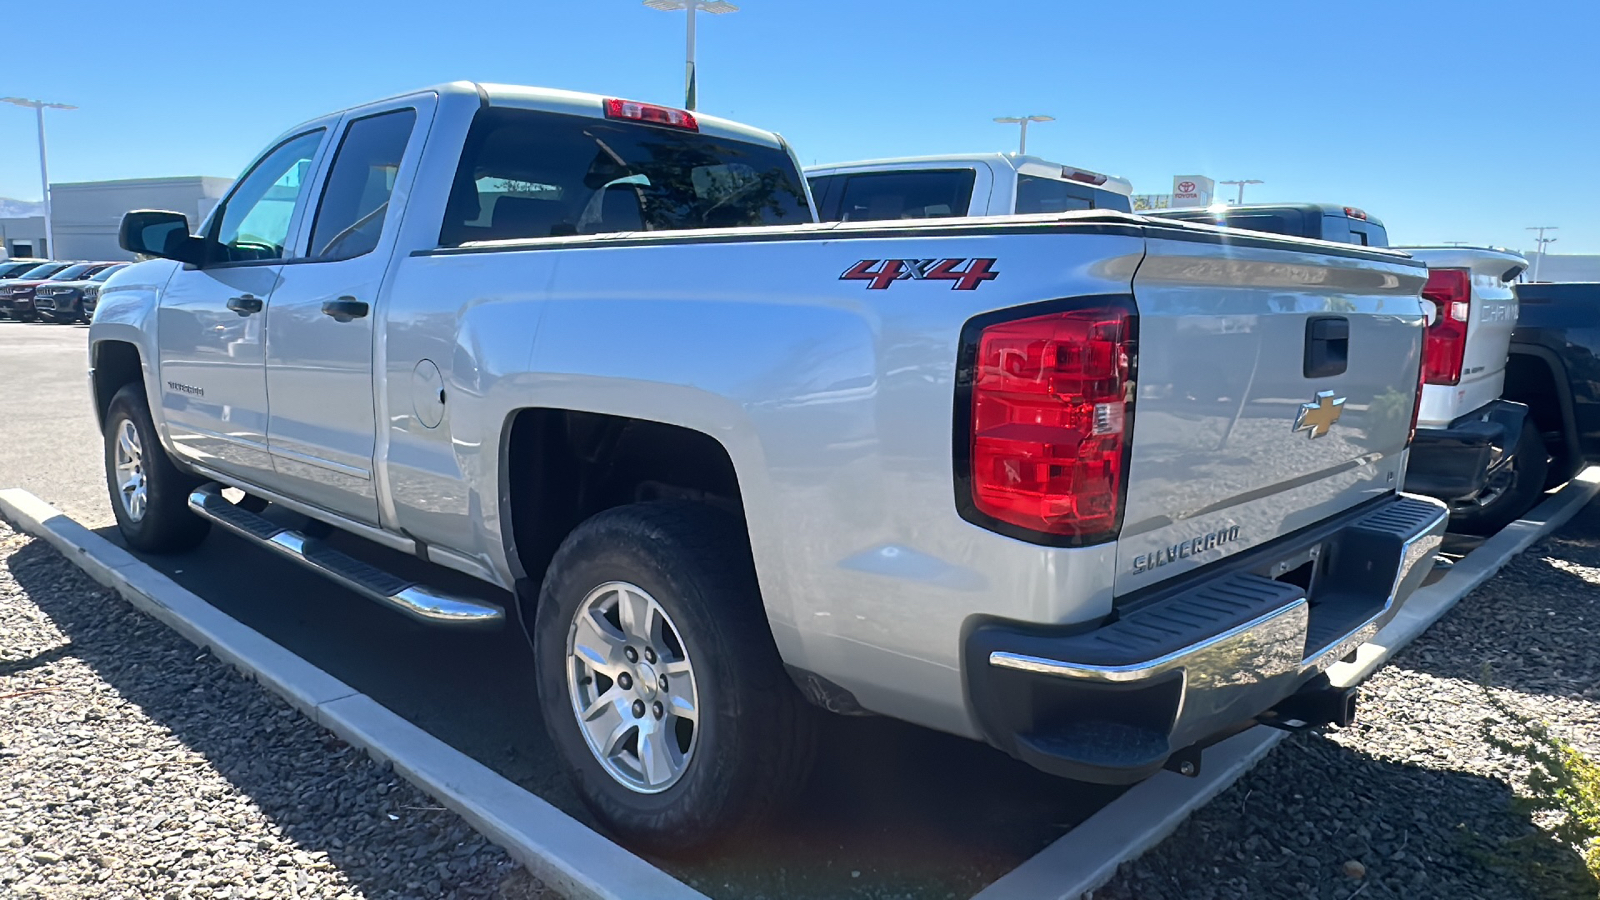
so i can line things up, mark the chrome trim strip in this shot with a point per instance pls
(1149, 669)
(420, 603)
(1415, 551)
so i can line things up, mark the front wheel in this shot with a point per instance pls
(659, 681)
(149, 494)
(1511, 492)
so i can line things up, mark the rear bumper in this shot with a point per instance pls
(1203, 657)
(1456, 462)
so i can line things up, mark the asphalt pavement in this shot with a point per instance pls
(892, 810)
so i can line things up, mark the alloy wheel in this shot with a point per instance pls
(632, 687)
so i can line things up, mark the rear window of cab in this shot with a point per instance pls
(532, 174)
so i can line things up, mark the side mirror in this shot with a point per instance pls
(155, 232)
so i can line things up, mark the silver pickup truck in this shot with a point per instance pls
(1092, 488)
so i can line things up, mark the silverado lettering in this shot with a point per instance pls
(1185, 549)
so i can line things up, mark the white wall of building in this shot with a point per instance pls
(21, 236)
(86, 215)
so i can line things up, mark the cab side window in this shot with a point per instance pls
(254, 225)
(355, 199)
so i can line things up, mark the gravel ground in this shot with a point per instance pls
(1414, 802)
(132, 764)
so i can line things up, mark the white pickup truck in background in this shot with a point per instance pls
(1478, 452)
(1473, 450)
(983, 184)
(1093, 488)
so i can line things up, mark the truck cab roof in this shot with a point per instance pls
(1021, 165)
(575, 103)
(1322, 221)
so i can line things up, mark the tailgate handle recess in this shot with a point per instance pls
(1327, 346)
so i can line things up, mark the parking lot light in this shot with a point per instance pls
(1022, 143)
(716, 8)
(39, 106)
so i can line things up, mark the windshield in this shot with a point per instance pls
(71, 273)
(527, 174)
(108, 271)
(44, 271)
(14, 270)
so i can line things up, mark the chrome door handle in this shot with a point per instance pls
(344, 309)
(245, 304)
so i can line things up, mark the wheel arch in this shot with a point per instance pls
(559, 466)
(1536, 377)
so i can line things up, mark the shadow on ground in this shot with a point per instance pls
(892, 810)
(322, 795)
(1338, 805)
(1543, 612)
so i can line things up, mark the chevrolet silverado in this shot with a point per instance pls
(1092, 488)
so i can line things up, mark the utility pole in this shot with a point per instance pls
(1241, 183)
(1542, 242)
(690, 7)
(1022, 142)
(39, 106)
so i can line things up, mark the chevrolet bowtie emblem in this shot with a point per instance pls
(1319, 415)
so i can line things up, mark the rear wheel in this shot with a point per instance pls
(659, 681)
(1511, 492)
(149, 494)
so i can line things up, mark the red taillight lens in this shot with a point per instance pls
(649, 112)
(1450, 290)
(1051, 408)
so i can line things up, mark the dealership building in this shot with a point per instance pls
(86, 214)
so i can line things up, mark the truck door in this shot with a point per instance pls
(319, 325)
(211, 334)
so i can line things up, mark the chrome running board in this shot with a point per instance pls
(421, 603)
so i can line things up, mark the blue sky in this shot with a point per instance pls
(1451, 120)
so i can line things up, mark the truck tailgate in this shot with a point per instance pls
(1246, 425)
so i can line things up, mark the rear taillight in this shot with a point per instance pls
(1050, 411)
(1450, 291)
(649, 112)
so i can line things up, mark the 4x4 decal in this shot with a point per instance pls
(883, 272)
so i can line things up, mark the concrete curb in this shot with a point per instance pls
(1088, 856)
(556, 848)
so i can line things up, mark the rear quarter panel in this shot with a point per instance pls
(833, 400)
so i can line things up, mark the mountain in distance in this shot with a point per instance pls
(14, 209)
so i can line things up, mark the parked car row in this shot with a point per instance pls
(63, 292)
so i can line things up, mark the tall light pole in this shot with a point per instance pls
(716, 8)
(1542, 241)
(1241, 183)
(1022, 143)
(39, 106)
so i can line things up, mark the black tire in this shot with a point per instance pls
(166, 525)
(756, 734)
(1528, 467)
